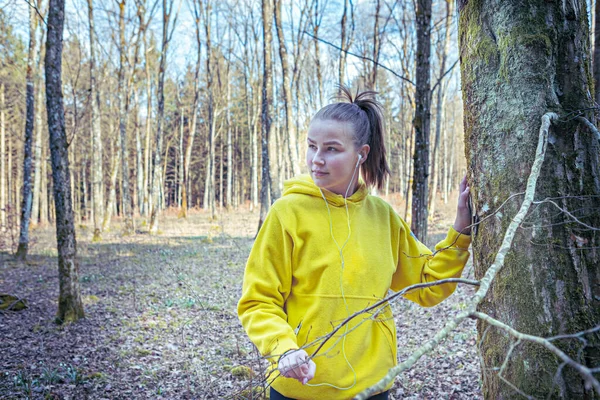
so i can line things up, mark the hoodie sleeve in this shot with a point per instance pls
(267, 284)
(417, 264)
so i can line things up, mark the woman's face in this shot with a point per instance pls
(331, 156)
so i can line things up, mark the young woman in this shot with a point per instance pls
(328, 249)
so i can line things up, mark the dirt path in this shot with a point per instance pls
(161, 321)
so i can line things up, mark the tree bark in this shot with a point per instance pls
(209, 204)
(441, 97)
(421, 122)
(97, 150)
(519, 61)
(597, 51)
(156, 181)
(112, 190)
(38, 161)
(316, 25)
(197, 7)
(372, 81)
(70, 306)
(267, 93)
(343, 45)
(27, 196)
(3, 198)
(292, 145)
(123, 94)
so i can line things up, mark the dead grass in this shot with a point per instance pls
(161, 320)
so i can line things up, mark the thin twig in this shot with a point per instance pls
(363, 58)
(37, 11)
(582, 369)
(590, 126)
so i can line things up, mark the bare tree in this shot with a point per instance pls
(421, 121)
(27, 150)
(290, 135)
(168, 26)
(443, 49)
(267, 94)
(196, 8)
(123, 95)
(96, 167)
(597, 51)
(3, 199)
(70, 306)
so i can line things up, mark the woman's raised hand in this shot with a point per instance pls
(462, 223)
(296, 364)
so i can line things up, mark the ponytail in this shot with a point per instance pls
(365, 115)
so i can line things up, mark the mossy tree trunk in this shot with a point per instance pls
(520, 60)
(70, 306)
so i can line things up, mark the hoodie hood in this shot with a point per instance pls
(304, 184)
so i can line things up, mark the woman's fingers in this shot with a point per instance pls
(296, 365)
(463, 184)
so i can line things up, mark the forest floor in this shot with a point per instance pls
(161, 320)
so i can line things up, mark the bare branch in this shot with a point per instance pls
(37, 11)
(568, 213)
(361, 57)
(582, 369)
(590, 126)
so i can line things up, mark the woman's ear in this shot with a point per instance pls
(363, 152)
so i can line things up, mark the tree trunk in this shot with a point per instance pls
(38, 161)
(597, 51)
(126, 210)
(441, 97)
(112, 194)
(70, 306)
(180, 191)
(343, 54)
(421, 122)
(316, 24)
(3, 199)
(292, 145)
(209, 195)
(519, 61)
(372, 81)
(266, 104)
(27, 151)
(97, 173)
(44, 206)
(229, 193)
(147, 202)
(166, 37)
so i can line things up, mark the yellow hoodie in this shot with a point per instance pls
(292, 291)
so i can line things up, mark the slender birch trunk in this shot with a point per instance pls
(156, 179)
(97, 150)
(70, 306)
(27, 151)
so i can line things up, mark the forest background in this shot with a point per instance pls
(182, 120)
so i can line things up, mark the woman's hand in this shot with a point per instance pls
(296, 364)
(462, 223)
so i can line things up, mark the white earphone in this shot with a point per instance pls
(358, 161)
